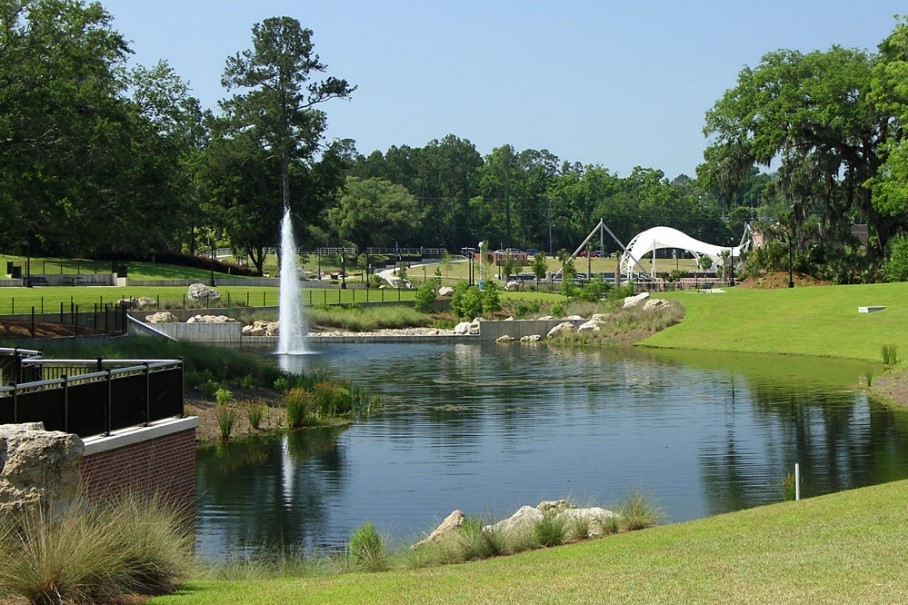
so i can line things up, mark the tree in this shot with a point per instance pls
(279, 110)
(540, 267)
(375, 212)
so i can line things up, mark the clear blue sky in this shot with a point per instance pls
(616, 84)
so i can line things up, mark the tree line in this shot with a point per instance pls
(99, 158)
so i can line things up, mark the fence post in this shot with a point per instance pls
(147, 394)
(61, 311)
(65, 403)
(263, 298)
(109, 404)
(33, 322)
(76, 320)
(16, 402)
(247, 298)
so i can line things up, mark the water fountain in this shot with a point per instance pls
(292, 336)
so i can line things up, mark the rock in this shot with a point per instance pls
(531, 338)
(504, 339)
(143, 302)
(633, 301)
(38, 467)
(597, 518)
(474, 326)
(589, 326)
(562, 330)
(161, 317)
(656, 303)
(273, 328)
(261, 327)
(210, 319)
(446, 291)
(452, 523)
(526, 516)
(200, 291)
(546, 318)
(512, 286)
(554, 506)
(508, 319)
(462, 328)
(600, 317)
(572, 318)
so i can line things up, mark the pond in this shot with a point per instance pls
(489, 428)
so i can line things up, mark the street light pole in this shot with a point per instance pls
(28, 261)
(791, 283)
(343, 272)
(211, 262)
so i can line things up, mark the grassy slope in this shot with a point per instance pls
(849, 547)
(821, 321)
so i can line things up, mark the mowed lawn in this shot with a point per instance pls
(820, 320)
(849, 547)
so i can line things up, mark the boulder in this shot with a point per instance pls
(199, 291)
(462, 328)
(656, 303)
(525, 517)
(531, 338)
(546, 318)
(452, 523)
(161, 317)
(38, 467)
(589, 326)
(446, 291)
(598, 519)
(508, 319)
(562, 330)
(210, 319)
(474, 326)
(572, 318)
(600, 317)
(260, 327)
(504, 339)
(512, 286)
(554, 506)
(144, 302)
(633, 301)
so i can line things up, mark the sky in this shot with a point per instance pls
(597, 82)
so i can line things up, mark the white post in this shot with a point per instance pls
(797, 481)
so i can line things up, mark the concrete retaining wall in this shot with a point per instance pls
(226, 333)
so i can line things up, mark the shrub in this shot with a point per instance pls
(491, 297)
(248, 381)
(209, 388)
(467, 301)
(890, 354)
(330, 399)
(425, 295)
(94, 552)
(223, 396)
(637, 512)
(300, 404)
(367, 549)
(551, 530)
(254, 413)
(556, 310)
(475, 543)
(226, 418)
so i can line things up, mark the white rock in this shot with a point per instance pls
(200, 291)
(597, 518)
(512, 286)
(504, 339)
(526, 516)
(508, 319)
(450, 524)
(600, 317)
(531, 338)
(572, 318)
(633, 301)
(462, 328)
(143, 302)
(561, 330)
(474, 326)
(210, 319)
(656, 303)
(546, 318)
(161, 317)
(446, 291)
(590, 326)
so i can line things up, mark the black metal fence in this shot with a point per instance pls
(90, 397)
(100, 319)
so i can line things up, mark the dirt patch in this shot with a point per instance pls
(779, 279)
(892, 387)
(20, 329)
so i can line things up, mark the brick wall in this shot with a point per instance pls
(156, 461)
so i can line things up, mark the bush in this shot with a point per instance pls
(223, 396)
(254, 414)
(466, 302)
(300, 405)
(94, 552)
(638, 512)
(491, 297)
(367, 549)
(425, 295)
(551, 530)
(226, 418)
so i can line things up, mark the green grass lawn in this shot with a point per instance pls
(849, 547)
(21, 300)
(820, 321)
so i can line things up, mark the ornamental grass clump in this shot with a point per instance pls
(367, 549)
(638, 512)
(300, 407)
(86, 552)
(255, 412)
(226, 419)
(551, 530)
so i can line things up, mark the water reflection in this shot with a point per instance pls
(489, 428)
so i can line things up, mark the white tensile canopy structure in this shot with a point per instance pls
(666, 237)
